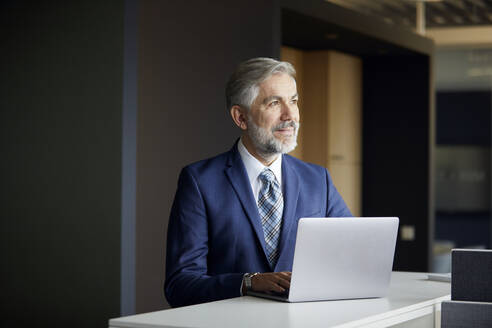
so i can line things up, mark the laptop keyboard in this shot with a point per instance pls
(280, 294)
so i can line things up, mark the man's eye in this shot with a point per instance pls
(274, 103)
(294, 101)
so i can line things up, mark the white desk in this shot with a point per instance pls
(413, 301)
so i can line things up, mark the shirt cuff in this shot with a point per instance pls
(242, 283)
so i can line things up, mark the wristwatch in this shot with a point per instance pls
(247, 280)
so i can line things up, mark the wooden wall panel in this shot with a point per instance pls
(295, 57)
(348, 180)
(344, 108)
(345, 127)
(313, 112)
(331, 116)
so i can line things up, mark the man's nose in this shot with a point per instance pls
(289, 112)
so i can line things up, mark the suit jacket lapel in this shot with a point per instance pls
(238, 177)
(290, 183)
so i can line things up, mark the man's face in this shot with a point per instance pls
(273, 119)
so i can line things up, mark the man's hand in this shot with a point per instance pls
(271, 282)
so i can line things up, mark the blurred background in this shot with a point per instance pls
(103, 102)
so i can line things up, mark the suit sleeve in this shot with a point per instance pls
(187, 281)
(336, 205)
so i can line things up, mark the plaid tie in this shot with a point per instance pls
(270, 206)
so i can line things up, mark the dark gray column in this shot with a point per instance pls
(60, 149)
(129, 159)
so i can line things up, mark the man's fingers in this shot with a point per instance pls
(276, 287)
(287, 275)
(280, 281)
(283, 279)
(272, 281)
(283, 282)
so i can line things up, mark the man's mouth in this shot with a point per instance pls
(285, 131)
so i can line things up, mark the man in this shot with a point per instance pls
(233, 223)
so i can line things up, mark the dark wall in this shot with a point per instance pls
(396, 141)
(464, 229)
(187, 50)
(60, 127)
(463, 118)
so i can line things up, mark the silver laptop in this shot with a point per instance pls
(341, 258)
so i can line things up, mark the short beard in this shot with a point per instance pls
(267, 146)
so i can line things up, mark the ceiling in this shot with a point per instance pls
(308, 33)
(444, 13)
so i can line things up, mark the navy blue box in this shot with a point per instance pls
(471, 278)
(459, 314)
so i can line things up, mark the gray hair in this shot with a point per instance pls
(242, 87)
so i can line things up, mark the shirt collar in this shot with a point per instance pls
(254, 167)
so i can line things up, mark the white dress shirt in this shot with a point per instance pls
(254, 167)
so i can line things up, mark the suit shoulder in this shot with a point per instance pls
(304, 167)
(209, 164)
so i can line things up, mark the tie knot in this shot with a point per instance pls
(267, 176)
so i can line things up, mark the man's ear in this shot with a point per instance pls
(238, 115)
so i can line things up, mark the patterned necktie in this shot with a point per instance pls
(270, 206)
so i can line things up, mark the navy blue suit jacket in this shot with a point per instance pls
(215, 233)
